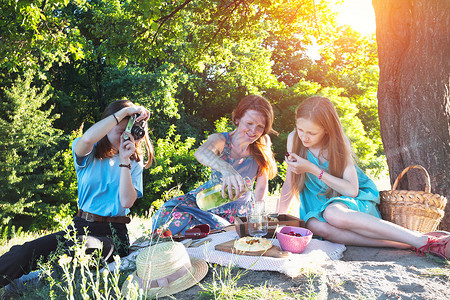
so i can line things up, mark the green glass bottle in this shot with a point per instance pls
(212, 197)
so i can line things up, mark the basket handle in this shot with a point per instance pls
(427, 177)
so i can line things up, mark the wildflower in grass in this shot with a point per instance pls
(64, 260)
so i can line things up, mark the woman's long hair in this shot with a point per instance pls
(321, 111)
(105, 148)
(260, 151)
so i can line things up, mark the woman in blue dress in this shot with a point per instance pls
(232, 156)
(338, 201)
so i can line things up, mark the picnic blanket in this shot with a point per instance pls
(315, 253)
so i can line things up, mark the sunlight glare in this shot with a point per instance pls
(359, 14)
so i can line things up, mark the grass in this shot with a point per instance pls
(65, 277)
(19, 239)
(80, 276)
(226, 285)
(83, 277)
(444, 273)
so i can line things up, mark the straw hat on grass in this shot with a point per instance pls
(165, 269)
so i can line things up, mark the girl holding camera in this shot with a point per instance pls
(109, 172)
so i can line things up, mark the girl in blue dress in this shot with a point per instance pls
(232, 156)
(338, 201)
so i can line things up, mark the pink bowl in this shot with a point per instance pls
(291, 243)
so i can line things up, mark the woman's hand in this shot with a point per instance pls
(126, 149)
(297, 164)
(142, 112)
(234, 185)
(208, 154)
(127, 192)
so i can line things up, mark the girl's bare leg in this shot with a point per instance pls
(350, 227)
(343, 236)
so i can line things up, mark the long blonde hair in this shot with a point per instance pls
(321, 111)
(260, 151)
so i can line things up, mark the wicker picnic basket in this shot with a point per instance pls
(416, 210)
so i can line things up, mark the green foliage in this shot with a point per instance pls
(285, 102)
(349, 67)
(347, 73)
(84, 92)
(290, 60)
(34, 36)
(276, 183)
(175, 167)
(8, 232)
(66, 195)
(364, 147)
(188, 62)
(30, 159)
(120, 32)
(223, 125)
(233, 72)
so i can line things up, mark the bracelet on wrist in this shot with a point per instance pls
(320, 175)
(115, 118)
(125, 166)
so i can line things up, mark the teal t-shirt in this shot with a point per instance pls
(98, 183)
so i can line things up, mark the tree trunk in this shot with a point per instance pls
(413, 38)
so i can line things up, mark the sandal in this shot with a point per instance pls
(437, 246)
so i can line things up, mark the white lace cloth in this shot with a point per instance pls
(315, 253)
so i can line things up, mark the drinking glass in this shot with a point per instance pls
(257, 219)
(273, 207)
(257, 225)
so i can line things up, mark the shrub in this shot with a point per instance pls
(33, 164)
(176, 167)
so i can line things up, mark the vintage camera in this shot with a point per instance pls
(136, 129)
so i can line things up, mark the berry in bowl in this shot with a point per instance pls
(293, 239)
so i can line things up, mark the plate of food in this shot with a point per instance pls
(252, 244)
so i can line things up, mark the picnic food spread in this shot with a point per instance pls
(252, 244)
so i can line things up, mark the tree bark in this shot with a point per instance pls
(413, 38)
